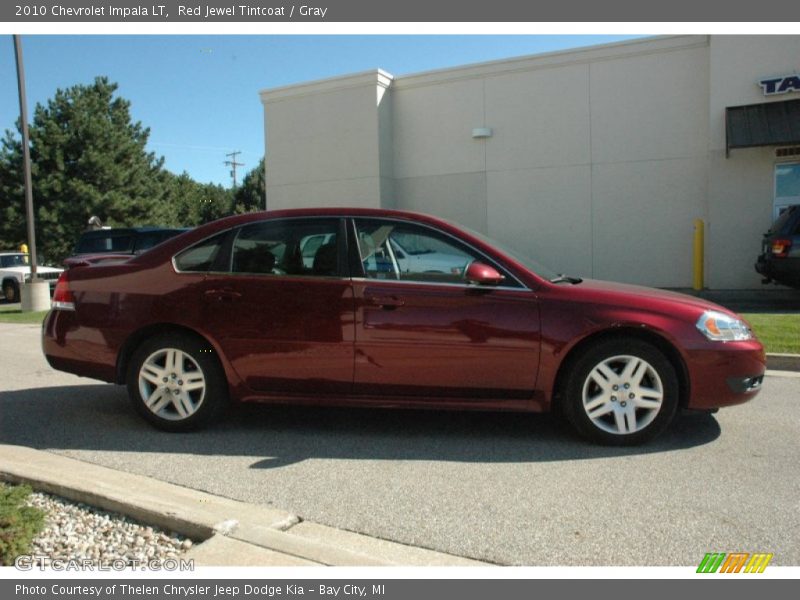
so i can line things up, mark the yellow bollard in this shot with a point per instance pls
(699, 254)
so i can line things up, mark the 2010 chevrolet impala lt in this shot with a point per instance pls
(391, 309)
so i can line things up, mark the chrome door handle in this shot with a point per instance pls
(223, 295)
(387, 302)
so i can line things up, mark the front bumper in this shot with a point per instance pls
(745, 385)
(725, 374)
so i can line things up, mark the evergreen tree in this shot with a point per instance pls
(88, 158)
(190, 203)
(252, 194)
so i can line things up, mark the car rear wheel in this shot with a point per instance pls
(621, 392)
(176, 383)
(11, 290)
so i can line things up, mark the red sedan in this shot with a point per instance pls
(391, 309)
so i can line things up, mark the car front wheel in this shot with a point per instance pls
(176, 383)
(621, 392)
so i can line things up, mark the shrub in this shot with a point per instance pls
(19, 523)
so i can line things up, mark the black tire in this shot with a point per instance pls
(626, 410)
(11, 290)
(174, 404)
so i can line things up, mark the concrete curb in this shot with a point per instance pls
(233, 533)
(783, 362)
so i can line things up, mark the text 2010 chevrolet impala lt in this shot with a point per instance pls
(390, 309)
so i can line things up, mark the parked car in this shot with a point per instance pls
(779, 260)
(15, 269)
(118, 243)
(231, 311)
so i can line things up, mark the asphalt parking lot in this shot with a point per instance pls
(511, 489)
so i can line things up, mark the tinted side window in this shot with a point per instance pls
(394, 250)
(300, 247)
(201, 256)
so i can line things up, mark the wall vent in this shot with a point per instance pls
(783, 152)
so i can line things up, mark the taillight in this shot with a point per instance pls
(63, 298)
(780, 248)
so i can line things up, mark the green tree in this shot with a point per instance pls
(190, 203)
(88, 158)
(252, 194)
(215, 202)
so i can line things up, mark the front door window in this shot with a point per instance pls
(398, 251)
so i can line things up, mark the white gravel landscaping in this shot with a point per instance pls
(75, 531)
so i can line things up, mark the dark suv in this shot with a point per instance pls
(100, 245)
(780, 250)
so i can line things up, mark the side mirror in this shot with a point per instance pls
(479, 273)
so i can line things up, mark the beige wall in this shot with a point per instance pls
(323, 142)
(580, 172)
(598, 163)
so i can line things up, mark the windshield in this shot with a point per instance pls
(527, 261)
(14, 260)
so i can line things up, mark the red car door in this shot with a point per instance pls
(283, 308)
(422, 330)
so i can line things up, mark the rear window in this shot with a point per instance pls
(112, 242)
(145, 241)
(781, 222)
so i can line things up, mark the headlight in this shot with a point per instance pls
(719, 327)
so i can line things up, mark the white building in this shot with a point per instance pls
(595, 161)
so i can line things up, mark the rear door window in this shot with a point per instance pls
(294, 247)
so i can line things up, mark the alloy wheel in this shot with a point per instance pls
(172, 384)
(622, 394)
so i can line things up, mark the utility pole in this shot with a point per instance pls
(35, 293)
(26, 156)
(233, 164)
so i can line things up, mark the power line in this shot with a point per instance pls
(233, 164)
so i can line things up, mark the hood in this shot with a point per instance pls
(26, 269)
(652, 298)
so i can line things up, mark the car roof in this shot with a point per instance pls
(242, 219)
(337, 211)
(143, 229)
(172, 245)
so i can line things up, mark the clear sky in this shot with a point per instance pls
(199, 94)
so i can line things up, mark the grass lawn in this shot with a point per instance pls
(778, 332)
(11, 313)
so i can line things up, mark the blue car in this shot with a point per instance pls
(779, 261)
